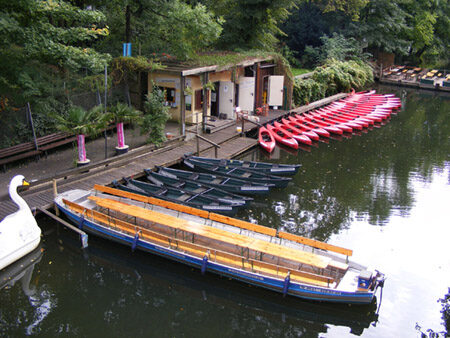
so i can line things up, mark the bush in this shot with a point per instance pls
(332, 78)
(155, 117)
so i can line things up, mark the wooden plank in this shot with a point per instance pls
(214, 233)
(314, 243)
(189, 210)
(242, 224)
(200, 251)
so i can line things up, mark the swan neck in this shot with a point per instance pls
(16, 198)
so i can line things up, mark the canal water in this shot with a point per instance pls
(384, 194)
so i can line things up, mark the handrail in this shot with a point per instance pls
(216, 146)
(243, 119)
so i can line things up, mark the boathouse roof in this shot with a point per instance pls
(210, 63)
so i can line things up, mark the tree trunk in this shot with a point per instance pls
(127, 24)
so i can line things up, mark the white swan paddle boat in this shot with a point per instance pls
(19, 232)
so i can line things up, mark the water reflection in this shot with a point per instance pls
(369, 176)
(37, 301)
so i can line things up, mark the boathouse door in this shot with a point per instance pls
(275, 94)
(246, 93)
(226, 102)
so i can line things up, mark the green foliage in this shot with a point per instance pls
(332, 78)
(122, 112)
(351, 8)
(171, 27)
(384, 25)
(307, 91)
(300, 71)
(123, 67)
(92, 83)
(252, 24)
(336, 47)
(80, 121)
(155, 116)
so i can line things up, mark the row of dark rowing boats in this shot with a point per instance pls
(356, 112)
(217, 185)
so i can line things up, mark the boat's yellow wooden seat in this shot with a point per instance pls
(214, 233)
(224, 219)
(199, 250)
(188, 210)
(314, 243)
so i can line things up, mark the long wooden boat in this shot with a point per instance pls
(243, 174)
(197, 188)
(179, 196)
(267, 168)
(265, 139)
(275, 260)
(233, 185)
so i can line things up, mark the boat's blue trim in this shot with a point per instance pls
(278, 285)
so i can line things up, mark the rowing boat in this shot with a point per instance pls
(264, 167)
(196, 188)
(233, 185)
(276, 260)
(265, 139)
(179, 196)
(240, 173)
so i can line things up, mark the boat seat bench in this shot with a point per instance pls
(215, 234)
(200, 251)
(224, 219)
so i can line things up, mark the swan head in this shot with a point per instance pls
(17, 181)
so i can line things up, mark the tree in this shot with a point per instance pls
(252, 24)
(384, 26)
(36, 35)
(81, 122)
(176, 27)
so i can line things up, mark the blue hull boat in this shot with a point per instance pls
(260, 256)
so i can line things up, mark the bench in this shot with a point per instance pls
(29, 149)
(55, 140)
(18, 152)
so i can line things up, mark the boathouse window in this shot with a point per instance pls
(198, 99)
(169, 96)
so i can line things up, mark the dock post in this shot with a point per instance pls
(55, 193)
(198, 146)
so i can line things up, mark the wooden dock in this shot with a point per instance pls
(41, 193)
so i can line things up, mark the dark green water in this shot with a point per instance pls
(384, 194)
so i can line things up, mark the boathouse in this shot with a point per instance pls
(196, 94)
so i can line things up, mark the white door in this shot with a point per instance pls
(275, 95)
(226, 99)
(246, 93)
